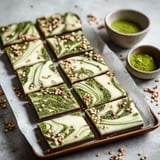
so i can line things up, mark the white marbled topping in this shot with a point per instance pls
(115, 116)
(100, 89)
(18, 32)
(65, 130)
(40, 75)
(27, 54)
(69, 44)
(81, 67)
(58, 24)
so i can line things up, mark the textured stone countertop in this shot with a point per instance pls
(13, 145)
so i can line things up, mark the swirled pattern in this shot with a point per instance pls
(18, 32)
(65, 130)
(39, 75)
(58, 24)
(53, 100)
(69, 44)
(26, 54)
(84, 66)
(115, 116)
(98, 90)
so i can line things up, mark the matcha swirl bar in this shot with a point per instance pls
(69, 44)
(58, 24)
(84, 66)
(18, 32)
(99, 90)
(116, 116)
(26, 54)
(65, 130)
(53, 100)
(39, 75)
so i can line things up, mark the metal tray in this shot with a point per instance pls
(27, 122)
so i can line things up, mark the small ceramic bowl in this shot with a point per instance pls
(127, 40)
(151, 51)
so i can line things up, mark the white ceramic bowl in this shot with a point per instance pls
(122, 39)
(151, 50)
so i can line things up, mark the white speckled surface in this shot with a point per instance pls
(13, 145)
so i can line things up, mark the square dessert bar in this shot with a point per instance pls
(18, 32)
(27, 53)
(117, 116)
(53, 100)
(98, 90)
(69, 44)
(39, 75)
(58, 24)
(87, 65)
(65, 130)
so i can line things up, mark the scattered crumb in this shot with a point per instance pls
(76, 6)
(1, 92)
(154, 94)
(157, 80)
(142, 157)
(18, 92)
(31, 6)
(118, 156)
(9, 126)
(110, 152)
(98, 155)
(3, 104)
(101, 26)
(122, 57)
(47, 151)
(39, 141)
(91, 18)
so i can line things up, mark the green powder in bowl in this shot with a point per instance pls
(125, 26)
(143, 61)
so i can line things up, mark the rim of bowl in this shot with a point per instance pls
(129, 55)
(127, 10)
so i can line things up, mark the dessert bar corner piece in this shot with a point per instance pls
(27, 53)
(53, 100)
(58, 24)
(98, 90)
(39, 75)
(117, 116)
(65, 130)
(78, 68)
(18, 32)
(69, 44)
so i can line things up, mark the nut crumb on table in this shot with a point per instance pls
(118, 156)
(92, 19)
(154, 94)
(9, 126)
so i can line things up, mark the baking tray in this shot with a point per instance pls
(27, 123)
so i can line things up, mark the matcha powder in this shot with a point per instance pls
(143, 62)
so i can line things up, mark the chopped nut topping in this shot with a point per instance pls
(87, 97)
